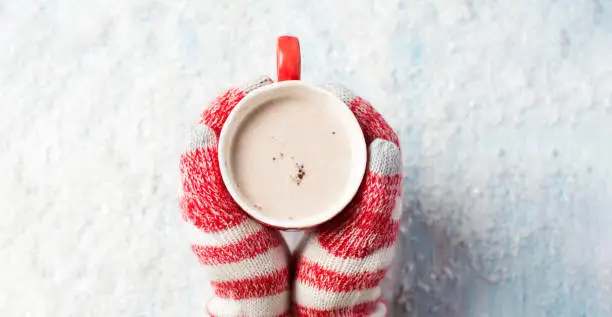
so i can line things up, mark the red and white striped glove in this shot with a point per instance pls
(341, 263)
(247, 261)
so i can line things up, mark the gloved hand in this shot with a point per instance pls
(247, 262)
(338, 266)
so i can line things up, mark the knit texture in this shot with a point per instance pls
(340, 264)
(247, 262)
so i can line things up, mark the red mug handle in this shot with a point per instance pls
(288, 58)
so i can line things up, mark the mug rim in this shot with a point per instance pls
(356, 174)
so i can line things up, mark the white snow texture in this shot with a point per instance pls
(504, 109)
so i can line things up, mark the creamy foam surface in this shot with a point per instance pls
(291, 157)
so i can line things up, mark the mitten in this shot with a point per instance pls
(247, 262)
(339, 265)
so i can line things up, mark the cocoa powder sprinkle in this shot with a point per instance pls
(300, 173)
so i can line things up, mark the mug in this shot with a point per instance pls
(321, 104)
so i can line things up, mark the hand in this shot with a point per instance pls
(247, 262)
(338, 266)
(341, 263)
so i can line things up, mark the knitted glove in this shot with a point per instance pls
(340, 264)
(247, 261)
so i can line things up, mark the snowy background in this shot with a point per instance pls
(504, 109)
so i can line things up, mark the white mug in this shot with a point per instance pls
(289, 86)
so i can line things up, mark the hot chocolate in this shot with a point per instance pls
(293, 155)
